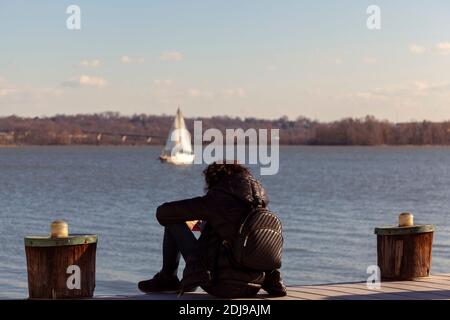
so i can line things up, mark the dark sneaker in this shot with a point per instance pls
(160, 283)
(274, 285)
(195, 279)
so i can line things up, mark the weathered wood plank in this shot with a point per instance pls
(290, 296)
(305, 295)
(432, 285)
(413, 288)
(445, 283)
(343, 292)
(408, 286)
(329, 293)
(384, 293)
(436, 287)
(439, 279)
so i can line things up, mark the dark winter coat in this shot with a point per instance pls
(223, 209)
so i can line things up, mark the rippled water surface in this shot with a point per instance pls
(329, 199)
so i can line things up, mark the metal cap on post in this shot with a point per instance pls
(406, 219)
(59, 229)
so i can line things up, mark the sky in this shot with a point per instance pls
(245, 58)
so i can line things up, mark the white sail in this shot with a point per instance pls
(178, 148)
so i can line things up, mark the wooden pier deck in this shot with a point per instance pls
(436, 287)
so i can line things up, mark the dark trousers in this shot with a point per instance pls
(178, 240)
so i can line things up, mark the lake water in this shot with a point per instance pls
(329, 199)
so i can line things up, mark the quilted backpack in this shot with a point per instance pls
(258, 245)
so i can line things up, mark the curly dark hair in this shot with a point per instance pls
(215, 172)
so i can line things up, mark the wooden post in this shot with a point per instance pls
(61, 268)
(404, 253)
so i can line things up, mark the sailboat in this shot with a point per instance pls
(178, 148)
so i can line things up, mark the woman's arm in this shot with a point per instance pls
(197, 208)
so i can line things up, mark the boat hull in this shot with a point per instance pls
(178, 159)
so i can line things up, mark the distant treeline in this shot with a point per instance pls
(135, 130)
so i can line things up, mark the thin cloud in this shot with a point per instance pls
(125, 59)
(331, 60)
(12, 93)
(408, 90)
(197, 93)
(370, 60)
(443, 48)
(85, 81)
(427, 88)
(239, 92)
(166, 82)
(7, 89)
(171, 56)
(132, 60)
(226, 93)
(417, 49)
(95, 63)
